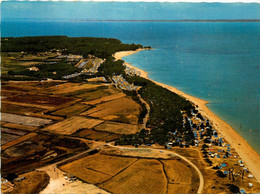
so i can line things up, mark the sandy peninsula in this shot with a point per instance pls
(245, 151)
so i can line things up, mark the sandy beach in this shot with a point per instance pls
(245, 151)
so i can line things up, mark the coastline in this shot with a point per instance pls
(245, 151)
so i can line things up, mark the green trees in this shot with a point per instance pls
(100, 47)
(165, 114)
(111, 67)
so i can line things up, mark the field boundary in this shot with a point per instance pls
(119, 172)
(165, 174)
(104, 100)
(98, 171)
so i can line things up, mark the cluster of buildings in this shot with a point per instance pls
(96, 63)
(132, 71)
(120, 82)
(70, 57)
(82, 64)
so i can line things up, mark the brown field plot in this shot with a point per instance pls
(71, 110)
(181, 177)
(17, 109)
(106, 98)
(97, 168)
(33, 151)
(40, 99)
(18, 126)
(119, 128)
(71, 87)
(178, 188)
(28, 86)
(18, 140)
(24, 120)
(72, 124)
(34, 182)
(7, 93)
(122, 109)
(144, 176)
(177, 171)
(13, 131)
(97, 135)
(6, 137)
(100, 92)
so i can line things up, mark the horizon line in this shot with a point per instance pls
(184, 20)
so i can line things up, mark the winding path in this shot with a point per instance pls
(147, 108)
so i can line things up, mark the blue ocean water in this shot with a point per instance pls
(217, 62)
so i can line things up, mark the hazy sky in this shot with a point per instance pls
(129, 10)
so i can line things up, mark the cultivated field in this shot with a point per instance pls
(96, 135)
(18, 140)
(72, 87)
(177, 171)
(97, 168)
(144, 176)
(19, 127)
(119, 128)
(39, 99)
(34, 150)
(24, 120)
(18, 109)
(34, 182)
(123, 109)
(106, 98)
(13, 131)
(71, 110)
(95, 93)
(72, 124)
(8, 135)
(178, 188)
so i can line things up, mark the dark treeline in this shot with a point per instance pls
(165, 115)
(99, 47)
(46, 70)
(111, 67)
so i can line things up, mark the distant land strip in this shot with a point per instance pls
(226, 20)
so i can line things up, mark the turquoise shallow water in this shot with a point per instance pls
(218, 62)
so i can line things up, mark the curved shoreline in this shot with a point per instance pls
(245, 151)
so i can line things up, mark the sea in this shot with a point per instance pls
(215, 61)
